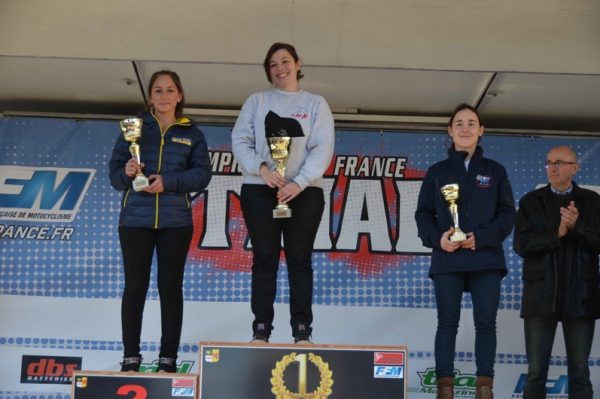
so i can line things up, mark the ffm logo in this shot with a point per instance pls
(555, 385)
(42, 194)
(388, 371)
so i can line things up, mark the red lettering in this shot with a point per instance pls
(37, 369)
(54, 369)
(69, 368)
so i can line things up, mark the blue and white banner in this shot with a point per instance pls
(61, 277)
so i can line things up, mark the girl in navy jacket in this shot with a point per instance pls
(486, 214)
(175, 159)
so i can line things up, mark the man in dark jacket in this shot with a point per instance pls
(558, 235)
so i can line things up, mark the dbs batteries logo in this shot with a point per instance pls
(49, 369)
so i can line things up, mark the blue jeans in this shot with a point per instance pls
(485, 293)
(539, 338)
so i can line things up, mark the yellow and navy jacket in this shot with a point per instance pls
(179, 154)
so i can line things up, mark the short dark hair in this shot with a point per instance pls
(275, 48)
(176, 80)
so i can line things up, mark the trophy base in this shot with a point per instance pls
(458, 236)
(280, 213)
(140, 182)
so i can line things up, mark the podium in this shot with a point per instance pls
(249, 371)
(263, 371)
(117, 385)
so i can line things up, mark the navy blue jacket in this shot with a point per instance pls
(485, 207)
(180, 156)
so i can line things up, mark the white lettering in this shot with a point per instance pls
(408, 240)
(369, 193)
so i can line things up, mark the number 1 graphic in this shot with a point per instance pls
(301, 359)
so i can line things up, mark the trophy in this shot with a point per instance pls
(450, 192)
(280, 149)
(279, 132)
(132, 130)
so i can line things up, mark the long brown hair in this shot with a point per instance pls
(176, 80)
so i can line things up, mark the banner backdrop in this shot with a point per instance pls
(61, 277)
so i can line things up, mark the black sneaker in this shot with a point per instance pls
(261, 334)
(131, 363)
(302, 334)
(166, 365)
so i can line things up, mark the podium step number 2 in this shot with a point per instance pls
(112, 385)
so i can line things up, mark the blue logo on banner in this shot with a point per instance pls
(50, 194)
(554, 386)
(388, 371)
(183, 392)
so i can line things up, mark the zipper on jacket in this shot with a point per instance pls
(180, 121)
(126, 196)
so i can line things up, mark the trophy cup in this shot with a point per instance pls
(450, 192)
(280, 149)
(132, 130)
(279, 132)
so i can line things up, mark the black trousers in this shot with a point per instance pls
(299, 232)
(138, 246)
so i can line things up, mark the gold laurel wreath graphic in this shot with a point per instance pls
(280, 390)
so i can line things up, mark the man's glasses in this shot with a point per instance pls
(558, 164)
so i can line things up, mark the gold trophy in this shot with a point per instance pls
(280, 149)
(132, 130)
(450, 192)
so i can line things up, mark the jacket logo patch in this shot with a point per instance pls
(299, 113)
(484, 181)
(182, 141)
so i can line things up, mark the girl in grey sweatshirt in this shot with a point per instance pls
(263, 187)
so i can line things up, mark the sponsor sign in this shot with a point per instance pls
(186, 382)
(49, 369)
(395, 358)
(35, 194)
(557, 386)
(182, 368)
(464, 384)
(388, 371)
(184, 392)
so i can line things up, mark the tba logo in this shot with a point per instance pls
(464, 384)
(183, 368)
(49, 370)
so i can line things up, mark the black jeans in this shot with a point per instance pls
(299, 232)
(138, 246)
(539, 339)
